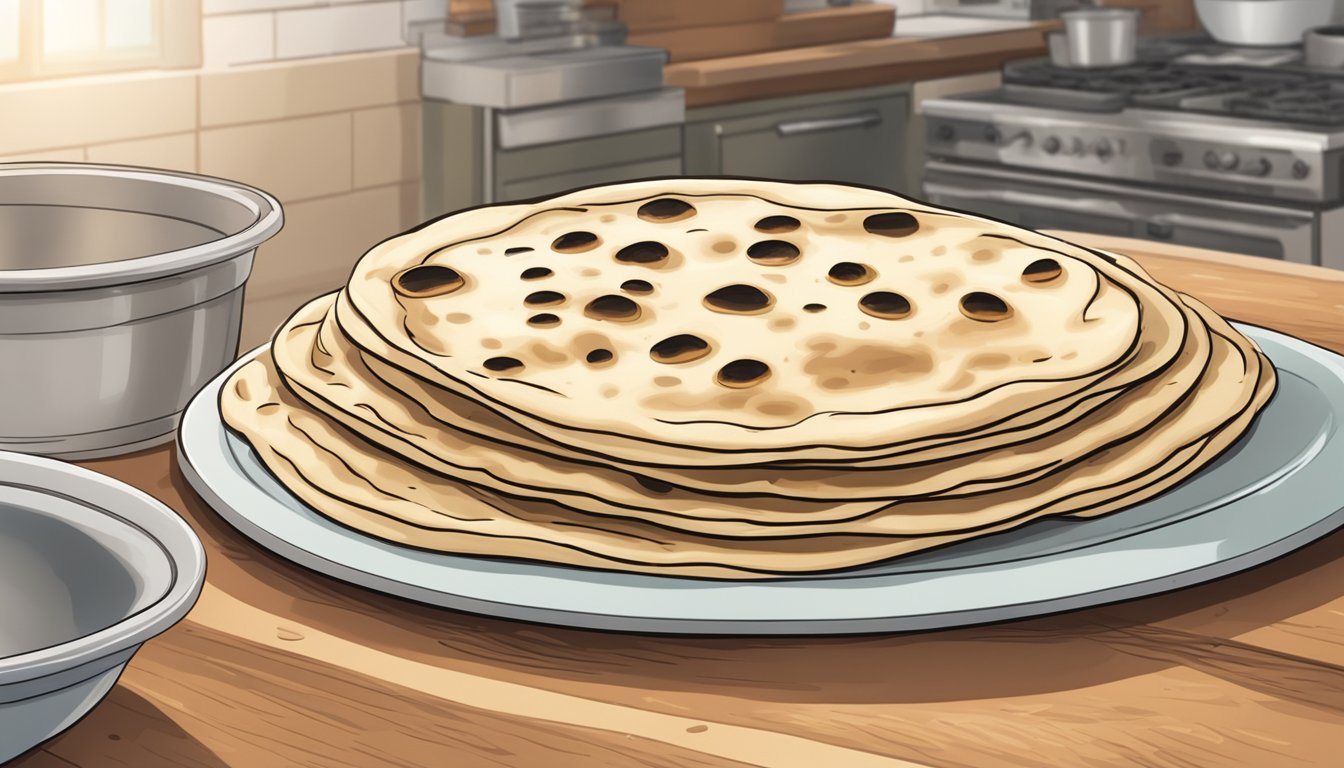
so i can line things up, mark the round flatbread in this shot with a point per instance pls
(530, 317)
(329, 377)
(737, 379)
(336, 473)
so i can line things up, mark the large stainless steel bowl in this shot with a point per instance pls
(1263, 22)
(121, 294)
(90, 569)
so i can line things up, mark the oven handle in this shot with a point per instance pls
(1294, 238)
(1167, 221)
(1014, 197)
(866, 119)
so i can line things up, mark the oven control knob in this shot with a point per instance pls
(1051, 145)
(1104, 150)
(992, 135)
(1172, 158)
(1300, 169)
(1161, 230)
(1222, 161)
(945, 132)
(1074, 147)
(1261, 167)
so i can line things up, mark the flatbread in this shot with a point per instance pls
(329, 378)
(839, 378)
(334, 472)
(737, 379)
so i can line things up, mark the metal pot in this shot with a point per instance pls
(1100, 37)
(1324, 47)
(90, 569)
(516, 19)
(1262, 22)
(121, 293)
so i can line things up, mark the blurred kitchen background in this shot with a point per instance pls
(1199, 122)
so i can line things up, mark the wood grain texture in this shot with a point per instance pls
(856, 64)
(1161, 16)
(828, 26)
(279, 666)
(650, 15)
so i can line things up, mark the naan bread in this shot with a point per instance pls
(563, 381)
(995, 320)
(333, 471)
(328, 377)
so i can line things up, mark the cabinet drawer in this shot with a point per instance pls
(522, 189)
(580, 155)
(860, 141)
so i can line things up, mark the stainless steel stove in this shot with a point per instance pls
(1193, 144)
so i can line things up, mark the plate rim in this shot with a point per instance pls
(202, 414)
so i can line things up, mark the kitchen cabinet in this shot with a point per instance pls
(550, 168)
(466, 164)
(855, 136)
(938, 89)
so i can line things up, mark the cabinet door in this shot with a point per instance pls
(1030, 201)
(550, 168)
(544, 186)
(860, 142)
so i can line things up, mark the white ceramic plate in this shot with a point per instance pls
(1277, 489)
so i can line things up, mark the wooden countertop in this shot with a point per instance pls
(279, 666)
(855, 64)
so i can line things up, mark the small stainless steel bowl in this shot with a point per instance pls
(1324, 47)
(1101, 37)
(121, 294)
(90, 569)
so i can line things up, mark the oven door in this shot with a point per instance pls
(1040, 201)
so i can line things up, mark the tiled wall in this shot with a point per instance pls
(250, 31)
(336, 139)
(908, 7)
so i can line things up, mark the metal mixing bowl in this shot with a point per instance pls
(90, 568)
(1100, 37)
(121, 294)
(1262, 22)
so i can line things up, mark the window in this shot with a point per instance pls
(51, 38)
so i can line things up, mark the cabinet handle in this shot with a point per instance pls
(860, 120)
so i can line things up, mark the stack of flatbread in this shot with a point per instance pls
(737, 379)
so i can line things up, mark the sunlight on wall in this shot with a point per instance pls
(128, 23)
(71, 26)
(9, 30)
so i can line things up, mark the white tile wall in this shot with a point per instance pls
(338, 29)
(906, 7)
(423, 10)
(75, 155)
(211, 7)
(78, 111)
(293, 159)
(176, 152)
(242, 38)
(303, 28)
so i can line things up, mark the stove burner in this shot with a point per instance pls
(1286, 96)
(1145, 79)
(1312, 101)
